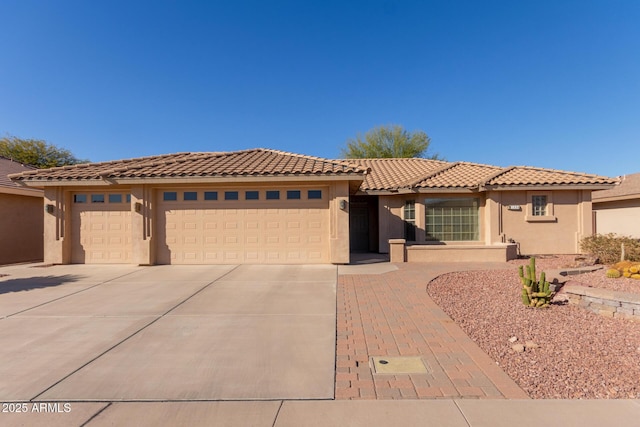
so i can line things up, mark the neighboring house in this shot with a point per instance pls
(21, 216)
(617, 210)
(267, 206)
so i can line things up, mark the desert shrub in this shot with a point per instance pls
(608, 247)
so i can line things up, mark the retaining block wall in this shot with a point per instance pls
(605, 302)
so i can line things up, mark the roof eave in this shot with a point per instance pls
(21, 191)
(65, 183)
(615, 198)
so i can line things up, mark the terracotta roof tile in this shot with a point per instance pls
(395, 174)
(459, 175)
(387, 174)
(527, 176)
(629, 188)
(255, 162)
(379, 174)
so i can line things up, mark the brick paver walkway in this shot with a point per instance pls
(392, 315)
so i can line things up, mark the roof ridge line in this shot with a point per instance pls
(154, 161)
(92, 164)
(12, 160)
(495, 175)
(538, 168)
(315, 158)
(395, 159)
(464, 162)
(412, 183)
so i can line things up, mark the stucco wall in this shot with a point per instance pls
(21, 228)
(390, 216)
(504, 215)
(460, 253)
(390, 221)
(339, 240)
(619, 217)
(559, 233)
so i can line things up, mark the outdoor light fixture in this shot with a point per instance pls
(48, 208)
(138, 207)
(343, 204)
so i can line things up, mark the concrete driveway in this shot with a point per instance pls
(126, 333)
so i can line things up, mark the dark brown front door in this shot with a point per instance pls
(359, 228)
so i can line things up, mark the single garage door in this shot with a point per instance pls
(101, 228)
(274, 226)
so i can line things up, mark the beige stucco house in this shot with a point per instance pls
(21, 216)
(267, 206)
(617, 210)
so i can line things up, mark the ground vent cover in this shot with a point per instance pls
(399, 365)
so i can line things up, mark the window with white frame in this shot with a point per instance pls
(539, 205)
(410, 220)
(452, 219)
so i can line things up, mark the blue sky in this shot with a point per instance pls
(553, 84)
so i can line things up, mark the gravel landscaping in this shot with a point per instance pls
(568, 352)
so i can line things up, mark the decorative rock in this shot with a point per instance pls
(513, 339)
(585, 260)
(530, 344)
(560, 298)
(518, 348)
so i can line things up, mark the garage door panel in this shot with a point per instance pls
(240, 231)
(101, 233)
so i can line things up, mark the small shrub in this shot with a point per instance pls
(613, 273)
(608, 247)
(620, 266)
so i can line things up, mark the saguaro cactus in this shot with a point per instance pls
(535, 293)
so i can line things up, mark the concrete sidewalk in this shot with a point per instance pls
(424, 413)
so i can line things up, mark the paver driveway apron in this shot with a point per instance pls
(175, 333)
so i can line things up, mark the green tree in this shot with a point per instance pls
(391, 141)
(36, 153)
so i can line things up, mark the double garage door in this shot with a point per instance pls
(277, 226)
(242, 226)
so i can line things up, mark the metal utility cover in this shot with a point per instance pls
(399, 365)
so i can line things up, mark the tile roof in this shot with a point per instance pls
(459, 175)
(528, 176)
(629, 188)
(424, 174)
(8, 167)
(254, 162)
(387, 174)
(379, 174)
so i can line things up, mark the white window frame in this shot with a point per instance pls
(410, 222)
(549, 210)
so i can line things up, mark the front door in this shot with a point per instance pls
(359, 228)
